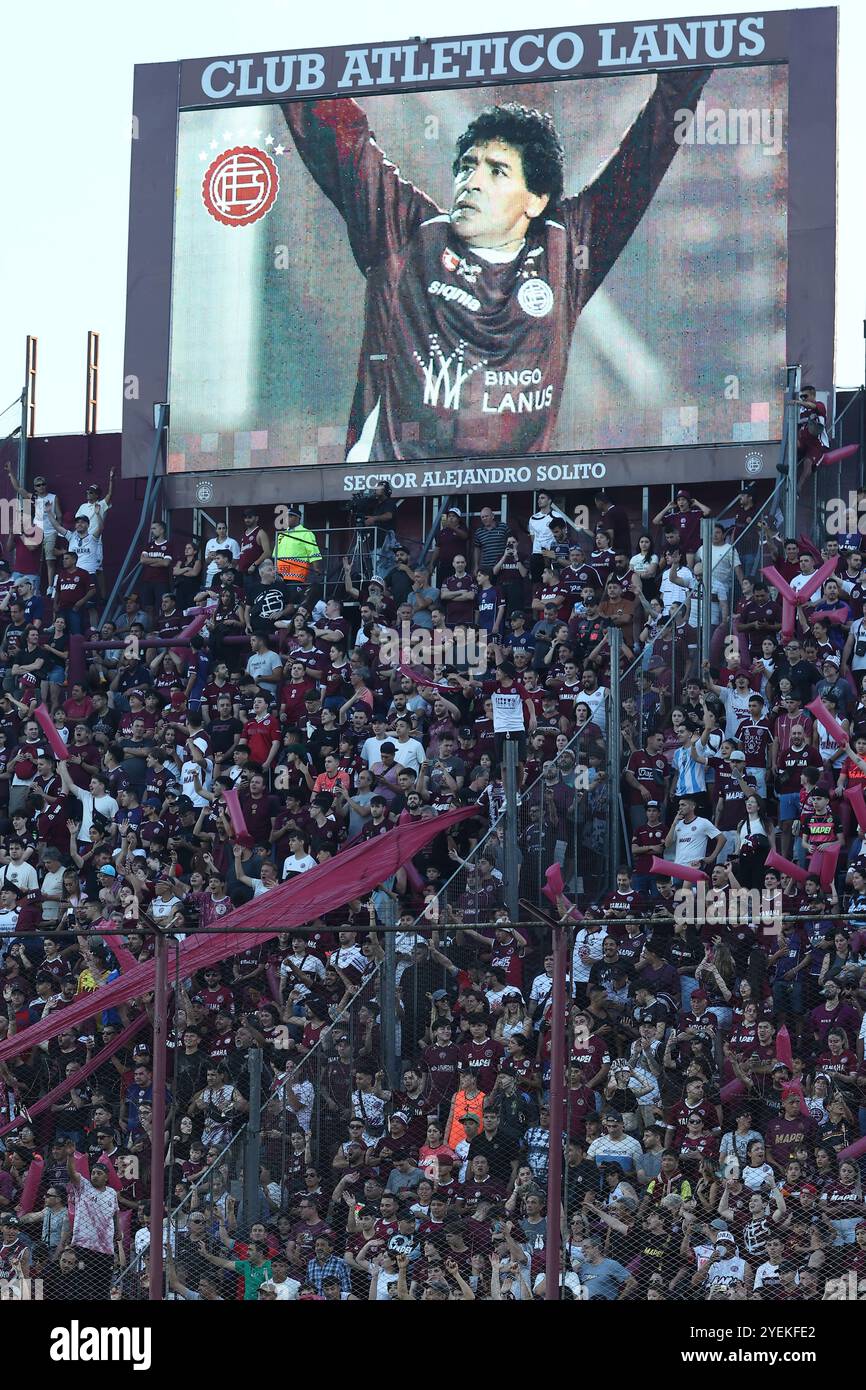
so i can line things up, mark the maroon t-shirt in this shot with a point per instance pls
(483, 1060)
(71, 587)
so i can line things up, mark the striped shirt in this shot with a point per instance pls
(691, 774)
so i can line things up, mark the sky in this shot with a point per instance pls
(66, 106)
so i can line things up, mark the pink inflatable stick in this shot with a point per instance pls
(49, 729)
(823, 716)
(684, 871)
(855, 799)
(785, 866)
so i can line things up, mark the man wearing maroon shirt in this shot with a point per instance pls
(590, 1058)
(306, 1230)
(458, 592)
(758, 617)
(442, 1060)
(74, 589)
(259, 809)
(684, 515)
(788, 1132)
(498, 236)
(480, 1182)
(647, 774)
(156, 561)
(646, 841)
(215, 997)
(482, 1055)
(834, 1012)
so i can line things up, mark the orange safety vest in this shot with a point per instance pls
(464, 1106)
(292, 570)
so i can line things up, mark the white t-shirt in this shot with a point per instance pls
(539, 528)
(161, 910)
(670, 593)
(86, 548)
(8, 922)
(263, 664)
(210, 550)
(94, 511)
(626, 1147)
(371, 750)
(541, 988)
(104, 806)
(736, 703)
(23, 876)
(723, 558)
(593, 941)
(93, 1219)
(409, 754)
(308, 965)
(51, 884)
(766, 1273)
(692, 840)
(293, 864)
(597, 702)
(44, 515)
(725, 1272)
(287, 1291)
(187, 779)
(508, 712)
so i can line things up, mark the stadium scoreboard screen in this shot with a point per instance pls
(557, 258)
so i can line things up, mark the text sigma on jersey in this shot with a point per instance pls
(485, 58)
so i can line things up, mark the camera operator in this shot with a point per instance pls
(376, 512)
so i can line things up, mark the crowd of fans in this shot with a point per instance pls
(715, 1066)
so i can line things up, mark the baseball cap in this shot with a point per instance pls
(682, 493)
(653, 803)
(292, 509)
(439, 994)
(738, 756)
(141, 1050)
(725, 1238)
(781, 1066)
(700, 994)
(402, 1117)
(8, 1219)
(109, 869)
(809, 1187)
(454, 511)
(470, 1116)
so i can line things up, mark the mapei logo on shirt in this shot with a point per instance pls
(455, 264)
